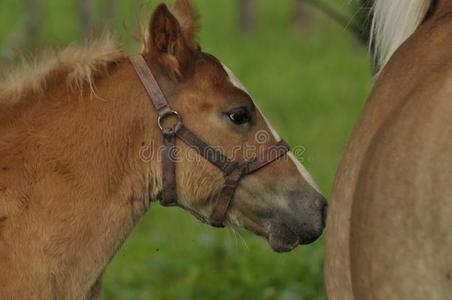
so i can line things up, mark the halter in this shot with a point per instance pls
(233, 170)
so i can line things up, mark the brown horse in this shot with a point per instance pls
(79, 158)
(389, 232)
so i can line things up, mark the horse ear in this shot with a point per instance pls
(166, 41)
(188, 19)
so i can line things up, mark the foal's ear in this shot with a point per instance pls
(166, 41)
(188, 19)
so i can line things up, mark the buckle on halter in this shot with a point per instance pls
(171, 113)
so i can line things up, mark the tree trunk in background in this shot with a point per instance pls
(303, 16)
(247, 15)
(111, 13)
(32, 24)
(86, 11)
(342, 20)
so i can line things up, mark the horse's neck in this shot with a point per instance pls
(83, 180)
(442, 6)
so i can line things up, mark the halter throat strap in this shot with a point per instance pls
(233, 170)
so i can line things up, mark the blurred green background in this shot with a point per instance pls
(310, 78)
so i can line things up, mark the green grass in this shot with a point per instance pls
(311, 84)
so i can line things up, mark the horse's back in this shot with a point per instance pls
(391, 213)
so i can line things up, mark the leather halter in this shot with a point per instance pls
(233, 170)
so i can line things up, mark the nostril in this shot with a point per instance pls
(324, 214)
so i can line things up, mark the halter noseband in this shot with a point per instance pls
(233, 170)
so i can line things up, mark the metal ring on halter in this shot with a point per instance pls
(169, 114)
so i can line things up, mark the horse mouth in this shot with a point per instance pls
(279, 243)
(282, 237)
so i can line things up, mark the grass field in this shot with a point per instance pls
(311, 84)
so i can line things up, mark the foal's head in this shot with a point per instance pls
(280, 201)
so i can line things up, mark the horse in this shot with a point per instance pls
(82, 156)
(388, 232)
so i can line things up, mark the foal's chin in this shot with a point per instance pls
(283, 244)
(284, 239)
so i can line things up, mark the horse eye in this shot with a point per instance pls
(240, 116)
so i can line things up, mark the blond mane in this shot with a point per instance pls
(393, 23)
(75, 66)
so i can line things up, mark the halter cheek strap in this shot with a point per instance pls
(233, 170)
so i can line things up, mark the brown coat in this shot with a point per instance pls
(390, 221)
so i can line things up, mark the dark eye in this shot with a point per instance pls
(239, 116)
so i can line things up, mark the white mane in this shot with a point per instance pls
(393, 23)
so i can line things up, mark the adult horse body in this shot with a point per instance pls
(80, 153)
(389, 227)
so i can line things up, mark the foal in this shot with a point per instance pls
(80, 159)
